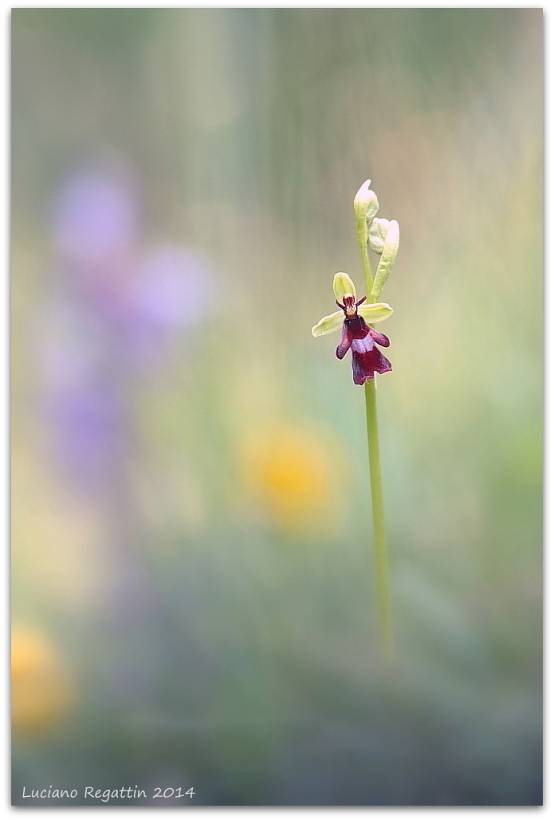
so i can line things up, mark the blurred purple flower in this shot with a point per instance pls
(118, 309)
(171, 286)
(96, 219)
(87, 424)
(80, 404)
(170, 291)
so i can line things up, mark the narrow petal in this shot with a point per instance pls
(328, 324)
(375, 312)
(344, 344)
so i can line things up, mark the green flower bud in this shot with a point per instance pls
(366, 206)
(377, 233)
(388, 255)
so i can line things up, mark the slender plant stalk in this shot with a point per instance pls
(379, 542)
(378, 515)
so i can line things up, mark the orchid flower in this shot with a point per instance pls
(357, 335)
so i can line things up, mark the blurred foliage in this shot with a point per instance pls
(190, 518)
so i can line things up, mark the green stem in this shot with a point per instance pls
(379, 540)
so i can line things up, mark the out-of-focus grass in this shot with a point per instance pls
(189, 497)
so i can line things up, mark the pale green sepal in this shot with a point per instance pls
(343, 286)
(366, 206)
(375, 312)
(388, 255)
(328, 324)
(377, 233)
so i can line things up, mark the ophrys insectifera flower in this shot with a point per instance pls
(357, 335)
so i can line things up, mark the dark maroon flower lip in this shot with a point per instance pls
(364, 366)
(362, 341)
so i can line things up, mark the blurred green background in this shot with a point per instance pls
(192, 583)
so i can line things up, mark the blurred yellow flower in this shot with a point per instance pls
(42, 689)
(294, 478)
